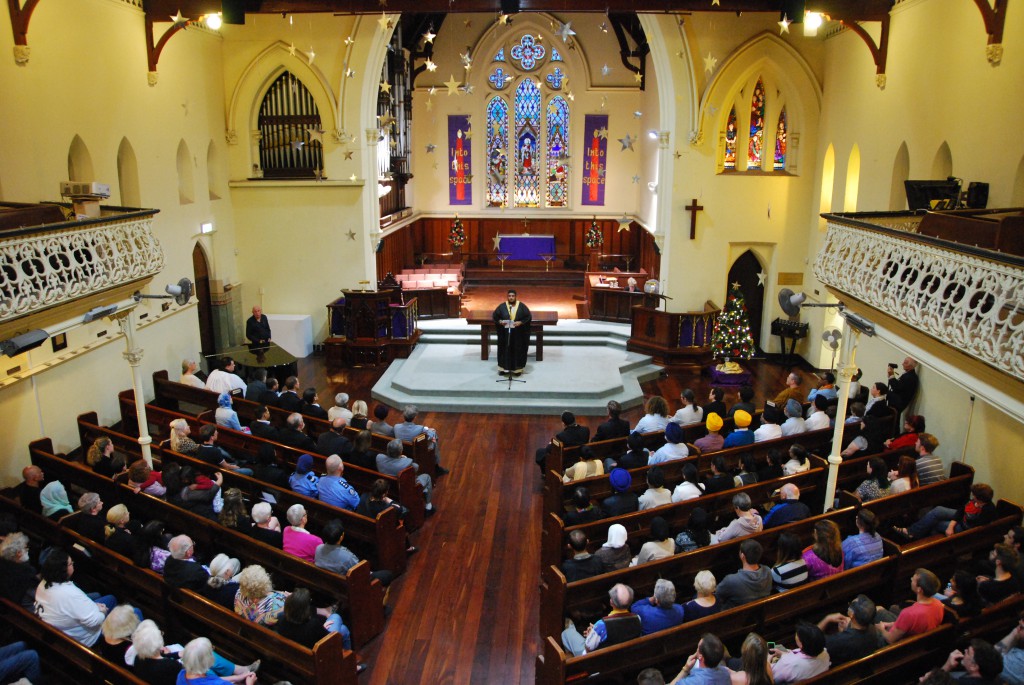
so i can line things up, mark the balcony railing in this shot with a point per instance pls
(969, 298)
(44, 265)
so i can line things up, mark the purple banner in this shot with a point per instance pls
(460, 178)
(595, 151)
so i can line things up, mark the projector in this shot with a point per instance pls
(84, 189)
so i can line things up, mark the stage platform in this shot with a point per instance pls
(585, 365)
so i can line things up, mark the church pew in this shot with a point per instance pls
(382, 539)
(169, 394)
(63, 657)
(556, 534)
(620, 663)
(231, 634)
(853, 470)
(560, 457)
(559, 598)
(955, 491)
(903, 662)
(247, 446)
(363, 595)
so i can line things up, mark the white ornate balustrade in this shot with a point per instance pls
(957, 296)
(54, 264)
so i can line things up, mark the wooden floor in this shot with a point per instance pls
(467, 609)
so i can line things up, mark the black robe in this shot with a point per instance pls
(512, 343)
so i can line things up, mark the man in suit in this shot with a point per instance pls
(294, 434)
(290, 400)
(572, 435)
(180, 569)
(614, 427)
(270, 396)
(332, 441)
(261, 426)
(903, 388)
(257, 386)
(311, 404)
(257, 328)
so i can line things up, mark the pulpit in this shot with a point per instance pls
(677, 340)
(371, 327)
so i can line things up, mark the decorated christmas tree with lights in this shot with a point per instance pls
(731, 338)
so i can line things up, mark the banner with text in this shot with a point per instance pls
(460, 177)
(595, 150)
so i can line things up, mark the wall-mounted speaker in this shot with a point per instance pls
(977, 195)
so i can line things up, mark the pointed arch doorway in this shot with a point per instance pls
(745, 271)
(201, 272)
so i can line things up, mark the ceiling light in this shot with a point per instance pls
(214, 21)
(812, 21)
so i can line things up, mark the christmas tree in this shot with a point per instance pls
(457, 234)
(731, 337)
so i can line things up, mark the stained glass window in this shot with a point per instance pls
(756, 143)
(730, 141)
(527, 52)
(556, 56)
(499, 56)
(497, 152)
(558, 151)
(499, 79)
(526, 183)
(555, 78)
(780, 142)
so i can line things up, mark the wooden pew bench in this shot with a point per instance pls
(363, 596)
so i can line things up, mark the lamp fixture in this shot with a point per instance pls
(812, 22)
(214, 21)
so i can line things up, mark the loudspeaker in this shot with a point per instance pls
(977, 195)
(509, 6)
(24, 342)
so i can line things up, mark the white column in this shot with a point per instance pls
(133, 355)
(846, 373)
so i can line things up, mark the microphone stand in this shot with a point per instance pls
(509, 326)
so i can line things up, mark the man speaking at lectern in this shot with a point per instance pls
(513, 340)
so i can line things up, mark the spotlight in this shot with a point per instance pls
(214, 21)
(812, 22)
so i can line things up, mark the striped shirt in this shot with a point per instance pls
(930, 469)
(789, 574)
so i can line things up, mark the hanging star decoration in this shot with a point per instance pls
(504, 19)
(604, 102)
(452, 84)
(297, 145)
(497, 242)
(769, 210)
(385, 23)
(565, 32)
(431, 66)
(468, 89)
(349, 41)
(469, 132)
(627, 143)
(318, 174)
(636, 178)
(624, 223)
(350, 73)
(386, 120)
(715, 3)
(603, 27)
(348, 154)
(429, 36)
(605, 70)
(432, 91)
(680, 54)
(315, 135)
(709, 63)
(467, 61)
(351, 234)
(385, 87)
(678, 154)
(572, 96)
(430, 148)
(291, 49)
(638, 114)
(468, 23)
(311, 55)
(179, 19)
(353, 177)
(784, 24)
(761, 275)
(435, 165)
(430, 105)
(603, 132)
(638, 77)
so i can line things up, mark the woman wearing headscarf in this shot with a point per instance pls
(614, 554)
(225, 415)
(54, 500)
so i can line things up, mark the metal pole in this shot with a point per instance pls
(846, 374)
(126, 321)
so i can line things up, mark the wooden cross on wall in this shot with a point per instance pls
(694, 208)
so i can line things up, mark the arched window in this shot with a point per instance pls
(755, 146)
(529, 128)
(497, 152)
(527, 175)
(558, 150)
(729, 161)
(287, 114)
(780, 142)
